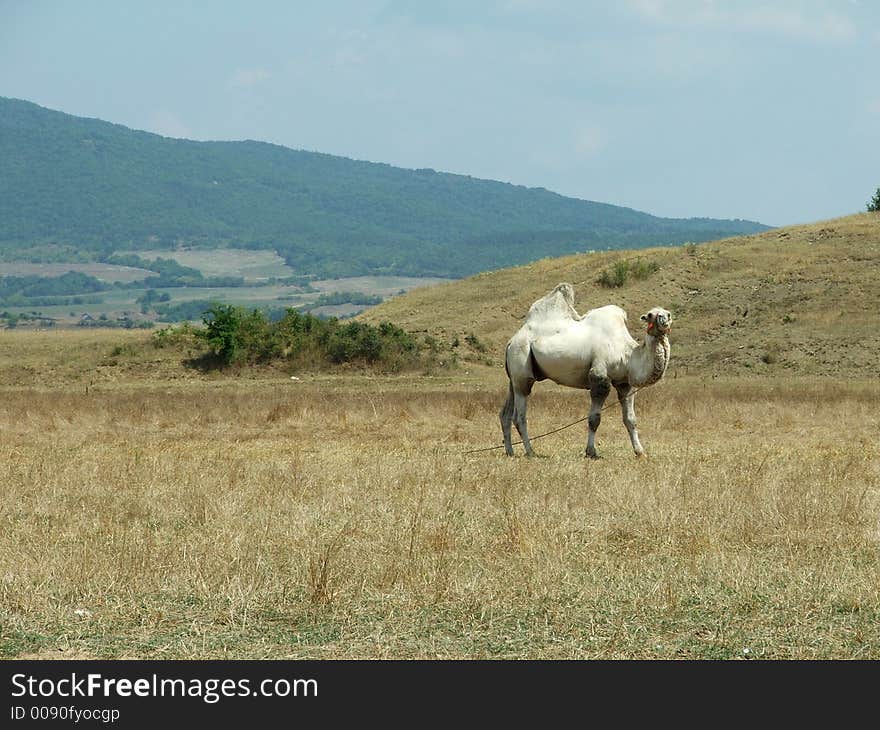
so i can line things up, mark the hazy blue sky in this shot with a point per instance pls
(762, 110)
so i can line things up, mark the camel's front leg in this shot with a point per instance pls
(599, 389)
(628, 411)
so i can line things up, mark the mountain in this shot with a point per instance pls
(79, 189)
(800, 300)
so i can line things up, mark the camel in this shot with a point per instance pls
(594, 352)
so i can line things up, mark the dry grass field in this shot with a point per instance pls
(148, 512)
(152, 511)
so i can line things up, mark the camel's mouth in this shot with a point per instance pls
(658, 327)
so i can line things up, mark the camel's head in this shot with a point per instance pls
(659, 321)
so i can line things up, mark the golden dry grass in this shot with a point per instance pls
(337, 517)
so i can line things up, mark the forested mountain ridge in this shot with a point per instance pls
(75, 188)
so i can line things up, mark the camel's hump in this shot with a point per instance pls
(556, 303)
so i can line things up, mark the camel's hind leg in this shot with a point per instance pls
(519, 418)
(514, 411)
(518, 366)
(628, 411)
(506, 416)
(600, 387)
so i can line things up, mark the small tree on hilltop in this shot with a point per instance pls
(874, 205)
(222, 324)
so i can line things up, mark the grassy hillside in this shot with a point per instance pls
(80, 189)
(797, 300)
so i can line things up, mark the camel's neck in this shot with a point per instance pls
(649, 360)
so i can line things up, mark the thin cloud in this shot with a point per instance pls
(811, 23)
(589, 141)
(827, 26)
(244, 78)
(348, 56)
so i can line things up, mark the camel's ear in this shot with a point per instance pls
(644, 318)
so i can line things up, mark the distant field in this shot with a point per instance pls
(104, 272)
(117, 302)
(152, 511)
(252, 265)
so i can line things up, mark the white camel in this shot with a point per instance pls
(592, 351)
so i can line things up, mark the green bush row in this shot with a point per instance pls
(234, 335)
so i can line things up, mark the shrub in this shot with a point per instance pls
(874, 203)
(623, 271)
(222, 332)
(475, 343)
(173, 336)
(121, 350)
(235, 335)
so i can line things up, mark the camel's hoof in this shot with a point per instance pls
(594, 456)
(641, 456)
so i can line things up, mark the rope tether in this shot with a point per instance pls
(555, 430)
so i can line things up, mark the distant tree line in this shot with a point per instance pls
(32, 290)
(11, 320)
(343, 297)
(194, 310)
